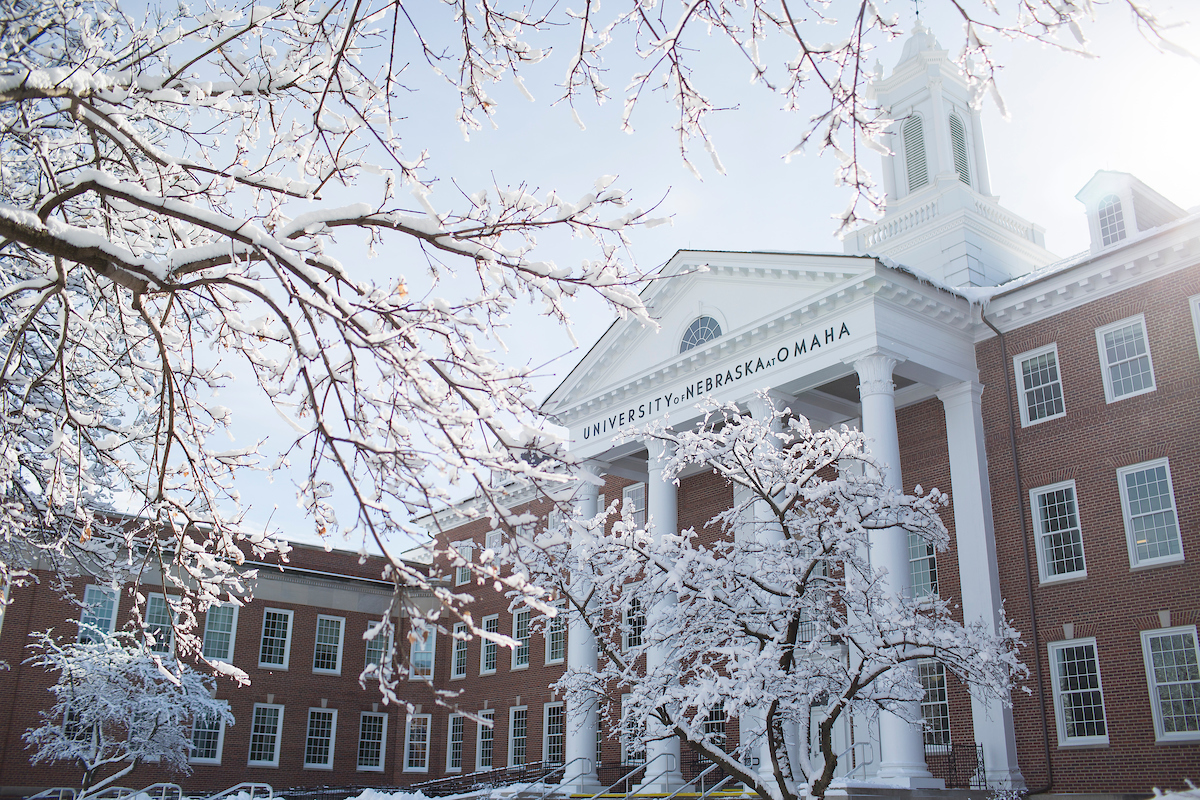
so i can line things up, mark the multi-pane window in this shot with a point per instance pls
(1173, 675)
(635, 623)
(518, 735)
(520, 654)
(208, 734)
(462, 574)
(599, 746)
(633, 734)
(458, 661)
(276, 638)
(487, 653)
(416, 744)
(634, 497)
(1041, 393)
(1059, 539)
(935, 703)
(1112, 220)
(99, 615)
(264, 735)
(714, 725)
(556, 635)
(421, 654)
(454, 744)
(555, 747)
(327, 653)
(922, 566)
(494, 541)
(1078, 696)
(1125, 359)
(220, 624)
(1148, 503)
(379, 648)
(700, 331)
(160, 624)
(318, 743)
(372, 735)
(486, 740)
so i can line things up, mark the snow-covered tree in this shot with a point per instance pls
(116, 707)
(781, 616)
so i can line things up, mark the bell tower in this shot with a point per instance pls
(942, 218)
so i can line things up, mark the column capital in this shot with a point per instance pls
(659, 451)
(590, 479)
(875, 374)
(759, 404)
(961, 392)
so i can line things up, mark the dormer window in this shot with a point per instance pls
(702, 329)
(958, 143)
(1112, 220)
(913, 133)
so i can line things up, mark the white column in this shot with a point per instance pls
(977, 565)
(662, 511)
(583, 721)
(902, 756)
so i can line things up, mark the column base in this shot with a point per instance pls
(663, 784)
(910, 781)
(1005, 778)
(580, 784)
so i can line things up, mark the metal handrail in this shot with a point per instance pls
(866, 761)
(161, 791)
(715, 787)
(55, 793)
(249, 788)
(114, 792)
(586, 764)
(634, 771)
(679, 791)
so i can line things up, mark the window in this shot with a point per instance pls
(454, 745)
(554, 519)
(520, 653)
(160, 624)
(220, 626)
(1078, 697)
(714, 725)
(556, 635)
(1125, 359)
(494, 541)
(276, 638)
(634, 497)
(1148, 503)
(327, 654)
(416, 743)
(421, 654)
(922, 566)
(208, 737)
(1059, 540)
(264, 735)
(599, 746)
(958, 143)
(318, 744)
(372, 735)
(1194, 302)
(1112, 221)
(635, 623)
(99, 615)
(486, 739)
(518, 735)
(487, 653)
(379, 648)
(702, 330)
(935, 703)
(913, 134)
(633, 734)
(554, 748)
(1173, 675)
(458, 663)
(1040, 395)
(463, 574)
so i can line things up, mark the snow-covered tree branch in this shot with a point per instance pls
(784, 614)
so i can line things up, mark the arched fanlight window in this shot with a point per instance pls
(702, 329)
(914, 153)
(958, 143)
(1112, 220)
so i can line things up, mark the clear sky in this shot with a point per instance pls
(1131, 109)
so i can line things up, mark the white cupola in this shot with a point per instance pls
(942, 218)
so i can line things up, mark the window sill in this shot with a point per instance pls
(556, 663)
(1040, 420)
(518, 667)
(319, 767)
(1072, 577)
(487, 672)
(1109, 399)
(1092, 743)
(336, 672)
(273, 667)
(1158, 562)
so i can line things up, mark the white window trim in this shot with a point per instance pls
(458, 645)
(112, 619)
(488, 714)
(626, 616)
(1155, 708)
(332, 738)
(1043, 576)
(408, 740)
(1022, 400)
(512, 740)
(387, 647)
(626, 739)
(382, 742)
(1079, 741)
(170, 651)
(431, 637)
(546, 733)
(485, 643)
(1106, 375)
(1194, 302)
(1134, 563)
(340, 649)
(449, 741)
(220, 745)
(278, 736)
(561, 619)
(465, 549)
(287, 645)
(514, 666)
(645, 509)
(232, 631)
